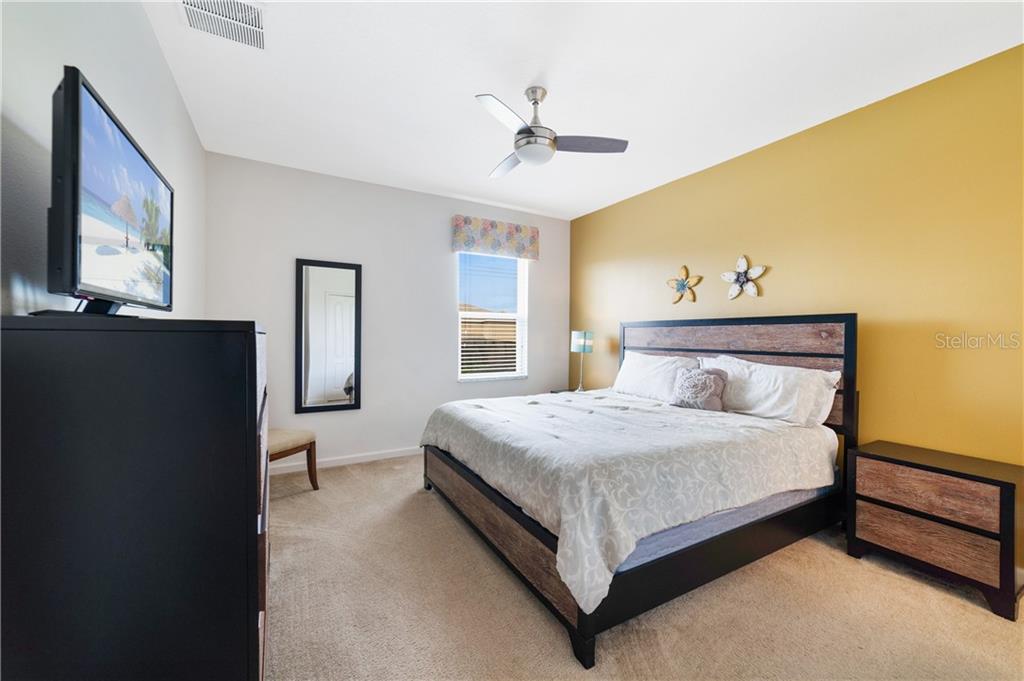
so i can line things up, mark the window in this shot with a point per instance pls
(492, 317)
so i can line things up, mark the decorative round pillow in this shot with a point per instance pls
(699, 389)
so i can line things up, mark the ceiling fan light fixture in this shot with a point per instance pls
(535, 151)
(536, 145)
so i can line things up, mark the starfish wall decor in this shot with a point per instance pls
(683, 286)
(742, 279)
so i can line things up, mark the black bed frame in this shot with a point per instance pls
(650, 584)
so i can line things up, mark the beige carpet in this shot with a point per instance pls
(374, 578)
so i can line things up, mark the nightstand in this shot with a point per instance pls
(953, 516)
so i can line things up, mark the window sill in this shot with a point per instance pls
(492, 377)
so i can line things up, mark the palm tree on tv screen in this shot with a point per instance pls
(122, 208)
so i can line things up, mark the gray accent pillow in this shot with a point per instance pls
(699, 389)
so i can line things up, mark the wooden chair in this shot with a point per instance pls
(284, 442)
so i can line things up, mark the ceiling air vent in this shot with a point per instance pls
(231, 19)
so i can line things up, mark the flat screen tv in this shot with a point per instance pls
(112, 213)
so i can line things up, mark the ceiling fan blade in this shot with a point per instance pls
(590, 145)
(503, 113)
(507, 164)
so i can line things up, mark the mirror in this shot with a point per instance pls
(328, 300)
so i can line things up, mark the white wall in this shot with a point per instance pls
(262, 217)
(115, 47)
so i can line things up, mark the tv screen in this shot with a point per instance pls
(111, 226)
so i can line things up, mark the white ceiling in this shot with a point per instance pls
(384, 92)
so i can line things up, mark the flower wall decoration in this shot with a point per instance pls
(683, 286)
(742, 279)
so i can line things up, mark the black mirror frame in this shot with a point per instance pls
(300, 263)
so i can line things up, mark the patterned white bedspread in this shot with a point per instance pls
(603, 470)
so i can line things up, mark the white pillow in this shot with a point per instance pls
(794, 394)
(651, 376)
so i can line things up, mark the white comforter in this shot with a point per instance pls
(602, 470)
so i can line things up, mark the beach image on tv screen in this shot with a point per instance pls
(125, 215)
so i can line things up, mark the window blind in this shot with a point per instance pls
(488, 345)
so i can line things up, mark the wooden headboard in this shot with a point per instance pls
(825, 341)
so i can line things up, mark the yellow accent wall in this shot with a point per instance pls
(909, 212)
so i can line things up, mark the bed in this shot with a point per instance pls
(762, 484)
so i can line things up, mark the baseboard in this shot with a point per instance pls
(298, 462)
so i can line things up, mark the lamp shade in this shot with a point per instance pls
(582, 341)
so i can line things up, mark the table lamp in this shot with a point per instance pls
(581, 342)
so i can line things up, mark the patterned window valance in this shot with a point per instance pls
(480, 235)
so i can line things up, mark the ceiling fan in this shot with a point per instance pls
(535, 144)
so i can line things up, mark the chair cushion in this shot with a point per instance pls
(282, 439)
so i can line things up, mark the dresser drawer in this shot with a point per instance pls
(958, 499)
(949, 548)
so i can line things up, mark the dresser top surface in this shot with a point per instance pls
(84, 322)
(946, 461)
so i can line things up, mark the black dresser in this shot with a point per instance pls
(134, 499)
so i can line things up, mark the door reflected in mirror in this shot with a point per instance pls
(327, 333)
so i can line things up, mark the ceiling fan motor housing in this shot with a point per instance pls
(536, 145)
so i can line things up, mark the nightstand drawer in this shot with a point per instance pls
(949, 548)
(958, 499)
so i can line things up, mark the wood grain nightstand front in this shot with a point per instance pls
(958, 517)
